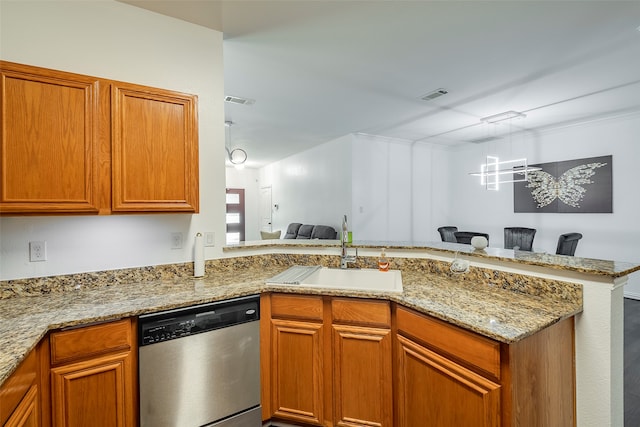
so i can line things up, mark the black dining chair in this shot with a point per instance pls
(466, 236)
(519, 238)
(567, 243)
(446, 233)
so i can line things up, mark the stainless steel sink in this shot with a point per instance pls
(336, 278)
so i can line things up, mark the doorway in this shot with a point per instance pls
(265, 209)
(235, 216)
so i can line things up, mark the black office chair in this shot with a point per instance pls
(466, 236)
(446, 233)
(520, 238)
(567, 243)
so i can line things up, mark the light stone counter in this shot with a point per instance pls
(501, 306)
(592, 266)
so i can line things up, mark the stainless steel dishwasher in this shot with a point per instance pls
(200, 366)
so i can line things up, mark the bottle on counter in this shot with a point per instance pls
(383, 261)
(345, 230)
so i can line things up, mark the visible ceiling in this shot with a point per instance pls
(319, 70)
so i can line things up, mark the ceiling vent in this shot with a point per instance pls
(434, 94)
(238, 100)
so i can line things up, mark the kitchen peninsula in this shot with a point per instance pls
(598, 328)
(506, 296)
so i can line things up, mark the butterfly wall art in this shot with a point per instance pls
(573, 186)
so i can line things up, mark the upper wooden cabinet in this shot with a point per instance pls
(80, 144)
(155, 150)
(50, 147)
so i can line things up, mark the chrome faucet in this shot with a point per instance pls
(345, 259)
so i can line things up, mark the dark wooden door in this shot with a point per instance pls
(235, 215)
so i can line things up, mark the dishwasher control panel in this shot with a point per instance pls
(172, 324)
(171, 329)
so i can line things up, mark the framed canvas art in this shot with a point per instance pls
(572, 186)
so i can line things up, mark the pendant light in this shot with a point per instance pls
(495, 172)
(237, 156)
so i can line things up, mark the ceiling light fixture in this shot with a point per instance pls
(492, 171)
(495, 172)
(507, 115)
(237, 156)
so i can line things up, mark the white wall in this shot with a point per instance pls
(404, 192)
(248, 180)
(114, 40)
(381, 202)
(312, 187)
(606, 236)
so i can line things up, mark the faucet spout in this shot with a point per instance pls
(345, 258)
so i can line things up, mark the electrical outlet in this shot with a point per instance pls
(37, 251)
(210, 239)
(176, 240)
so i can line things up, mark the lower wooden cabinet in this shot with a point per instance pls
(362, 367)
(93, 392)
(333, 361)
(93, 377)
(448, 376)
(362, 384)
(19, 395)
(27, 413)
(328, 360)
(435, 391)
(297, 370)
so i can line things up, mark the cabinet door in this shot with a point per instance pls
(362, 376)
(49, 146)
(26, 414)
(297, 371)
(96, 392)
(154, 150)
(434, 391)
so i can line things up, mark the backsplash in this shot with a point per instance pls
(523, 284)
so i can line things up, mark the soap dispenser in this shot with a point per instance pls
(383, 261)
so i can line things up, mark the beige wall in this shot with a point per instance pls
(114, 40)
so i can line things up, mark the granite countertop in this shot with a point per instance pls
(504, 315)
(597, 267)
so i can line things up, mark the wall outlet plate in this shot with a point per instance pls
(176, 240)
(210, 239)
(37, 251)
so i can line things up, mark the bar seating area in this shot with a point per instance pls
(516, 238)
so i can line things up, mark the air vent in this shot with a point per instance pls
(434, 94)
(238, 100)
